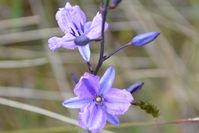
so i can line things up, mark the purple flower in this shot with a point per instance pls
(98, 101)
(144, 38)
(78, 32)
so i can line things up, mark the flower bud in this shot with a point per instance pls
(135, 87)
(144, 38)
(82, 40)
(114, 3)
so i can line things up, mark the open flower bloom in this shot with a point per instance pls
(72, 21)
(98, 101)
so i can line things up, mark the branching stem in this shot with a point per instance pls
(117, 50)
(104, 10)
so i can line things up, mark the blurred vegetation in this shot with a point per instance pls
(31, 74)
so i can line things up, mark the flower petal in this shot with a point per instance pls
(54, 43)
(107, 80)
(117, 101)
(92, 118)
(63, 21)
(85, 52)
(70, 17)
(76, 102)
(78, 16)
(87, 26)
(113, 119)
(87, 87)
(96, 27)
(64, 42)
(68, 5)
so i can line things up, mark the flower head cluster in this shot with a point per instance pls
(78, 32)
(98, 101)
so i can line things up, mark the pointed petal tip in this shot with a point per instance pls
(158, 33)
(68, 5)
(113, 119)
(107, 80)
(85, 52)
(111, 70)
(76, 102)
(64, 103)
(111, 67)
(94, 31)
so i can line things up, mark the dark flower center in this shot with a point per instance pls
(81, 40)
(98, 99)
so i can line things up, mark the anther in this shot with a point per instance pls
(98, 99)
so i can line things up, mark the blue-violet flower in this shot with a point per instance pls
(98, 101)
(78, 32)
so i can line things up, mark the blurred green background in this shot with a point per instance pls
(30, 73)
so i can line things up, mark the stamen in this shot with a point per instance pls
(82, 27)
(73, 32)
(77, 29)
(98, 99)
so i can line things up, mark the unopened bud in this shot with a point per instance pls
(135, 87)
(144, 38)
(114, 3)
